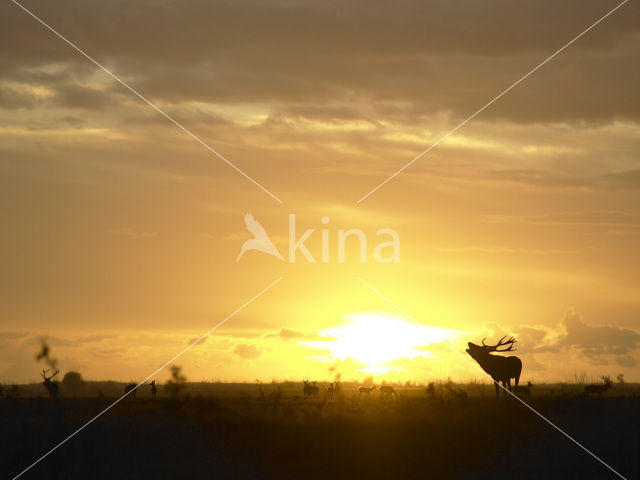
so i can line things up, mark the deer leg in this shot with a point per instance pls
(497, 389)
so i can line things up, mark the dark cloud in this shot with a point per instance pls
(289, 334)
(197, 340)
(593, 340)
(302, 57)
(598, 344)
(247, 351)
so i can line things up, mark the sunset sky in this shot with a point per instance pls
(120, 232)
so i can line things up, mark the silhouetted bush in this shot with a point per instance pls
(178, 381)
(73, 384)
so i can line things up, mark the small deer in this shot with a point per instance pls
(315, 390)
(307, 389)
(52, 387)
(525, 391)
(386, 391)
(330, 390)
(154, 390)
(366, 391)
(502, 369)
(598, 389)
(131, 390)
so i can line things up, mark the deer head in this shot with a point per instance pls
(484, 349)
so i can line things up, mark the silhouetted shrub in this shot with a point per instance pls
(73, 384)
(178, 381)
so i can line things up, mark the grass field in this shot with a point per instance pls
(220, 430)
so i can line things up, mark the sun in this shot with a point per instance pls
(377, 340)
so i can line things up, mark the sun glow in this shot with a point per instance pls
(378, 340)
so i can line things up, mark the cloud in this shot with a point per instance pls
(589, 218)
(289, 334)
(411, 59)
(197, 341)
(596, 340)
(598, 344)
(246, 351)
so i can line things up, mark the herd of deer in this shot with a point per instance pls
(501, 369)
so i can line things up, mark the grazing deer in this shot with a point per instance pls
(386, 391)
(501, 369)
(131, 390)
(598, 389)
(526, 390)
(52, 387)
(154, 390)
(366, 391)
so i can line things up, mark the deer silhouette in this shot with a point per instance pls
(366, 391)
(501, 369)
(154, 390)
(52, 387)
(526, 390)
(315, 390)
(598, 389)
(131, 390)
(386, 391)
(307, 389)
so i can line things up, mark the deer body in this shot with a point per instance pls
(52, 387)
(598, 389)
(526, 390)
(386, 391)
(501, 369)
(131, 390)
(366, 391)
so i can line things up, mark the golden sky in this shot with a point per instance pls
(120, 232)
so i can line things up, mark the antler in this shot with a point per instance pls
(501, 343)
(44, 373)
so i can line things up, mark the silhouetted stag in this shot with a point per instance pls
(52, 387)
(366, 391)
(598, 389)
(502, 369)
(131, 390)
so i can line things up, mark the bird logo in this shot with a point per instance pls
(260, 240)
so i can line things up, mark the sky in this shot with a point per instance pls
(120, 232)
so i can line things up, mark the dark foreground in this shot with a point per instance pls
(414, 436)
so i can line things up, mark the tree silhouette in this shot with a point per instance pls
(178, 381)
(73, 383)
